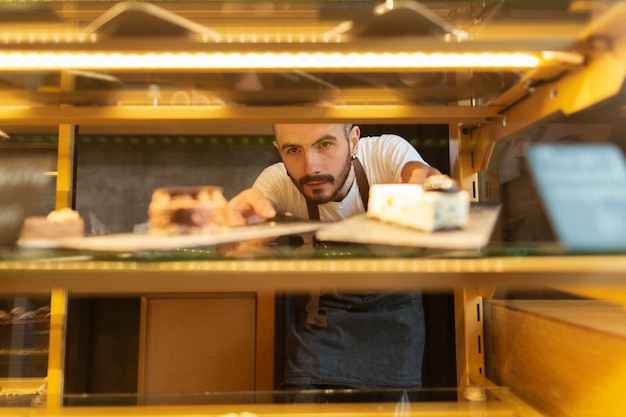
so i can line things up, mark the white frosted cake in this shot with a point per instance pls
(409, 205)
(60, 223)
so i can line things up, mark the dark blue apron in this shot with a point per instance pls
(367, 340)
(370, 341)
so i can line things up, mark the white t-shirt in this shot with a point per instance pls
(382, 157)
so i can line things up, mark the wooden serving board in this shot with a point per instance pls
(134, 242)
(361, 229)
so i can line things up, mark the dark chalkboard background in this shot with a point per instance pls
(115, 180)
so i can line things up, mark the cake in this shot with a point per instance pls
(187, 210)
(60, 223)
(435, 205)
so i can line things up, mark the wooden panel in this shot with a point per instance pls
(264, 341)
(198, 344)
(565, 357)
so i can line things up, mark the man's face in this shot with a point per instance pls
(317, 157)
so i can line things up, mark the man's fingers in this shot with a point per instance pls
(249, 206)
(264, 208)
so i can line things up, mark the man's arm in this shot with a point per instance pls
(416, 172)
(249, 206)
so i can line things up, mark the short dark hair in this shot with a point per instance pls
(347, 128)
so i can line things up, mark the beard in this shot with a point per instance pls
(319, 197)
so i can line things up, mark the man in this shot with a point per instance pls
(365, 340)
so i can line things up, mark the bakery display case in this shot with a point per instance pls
(125, 97)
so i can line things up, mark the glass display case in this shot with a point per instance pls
(125, 96)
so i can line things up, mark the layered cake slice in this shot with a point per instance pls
(434, 205)
(187, 210)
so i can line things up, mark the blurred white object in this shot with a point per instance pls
(97, 227)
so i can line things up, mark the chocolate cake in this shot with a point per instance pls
(187, 210)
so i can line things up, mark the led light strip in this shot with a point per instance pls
(269, 60)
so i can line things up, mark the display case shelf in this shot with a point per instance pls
(128, 277)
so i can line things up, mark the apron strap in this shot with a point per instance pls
(361, 181)
(315, 315)
(314, 211)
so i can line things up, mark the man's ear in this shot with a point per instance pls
(275, 143)
(355, 134)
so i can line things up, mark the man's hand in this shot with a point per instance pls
(249, 206)
(417, 172)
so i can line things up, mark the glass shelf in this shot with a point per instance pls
(431, 402)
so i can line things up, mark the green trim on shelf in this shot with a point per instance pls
(185, 140)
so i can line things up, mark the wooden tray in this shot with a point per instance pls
(134, 242)
(360, 229)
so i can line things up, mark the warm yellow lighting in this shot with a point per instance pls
(267, 60)
(35, 37)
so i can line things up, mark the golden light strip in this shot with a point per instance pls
(56, 38)
(268, 60)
